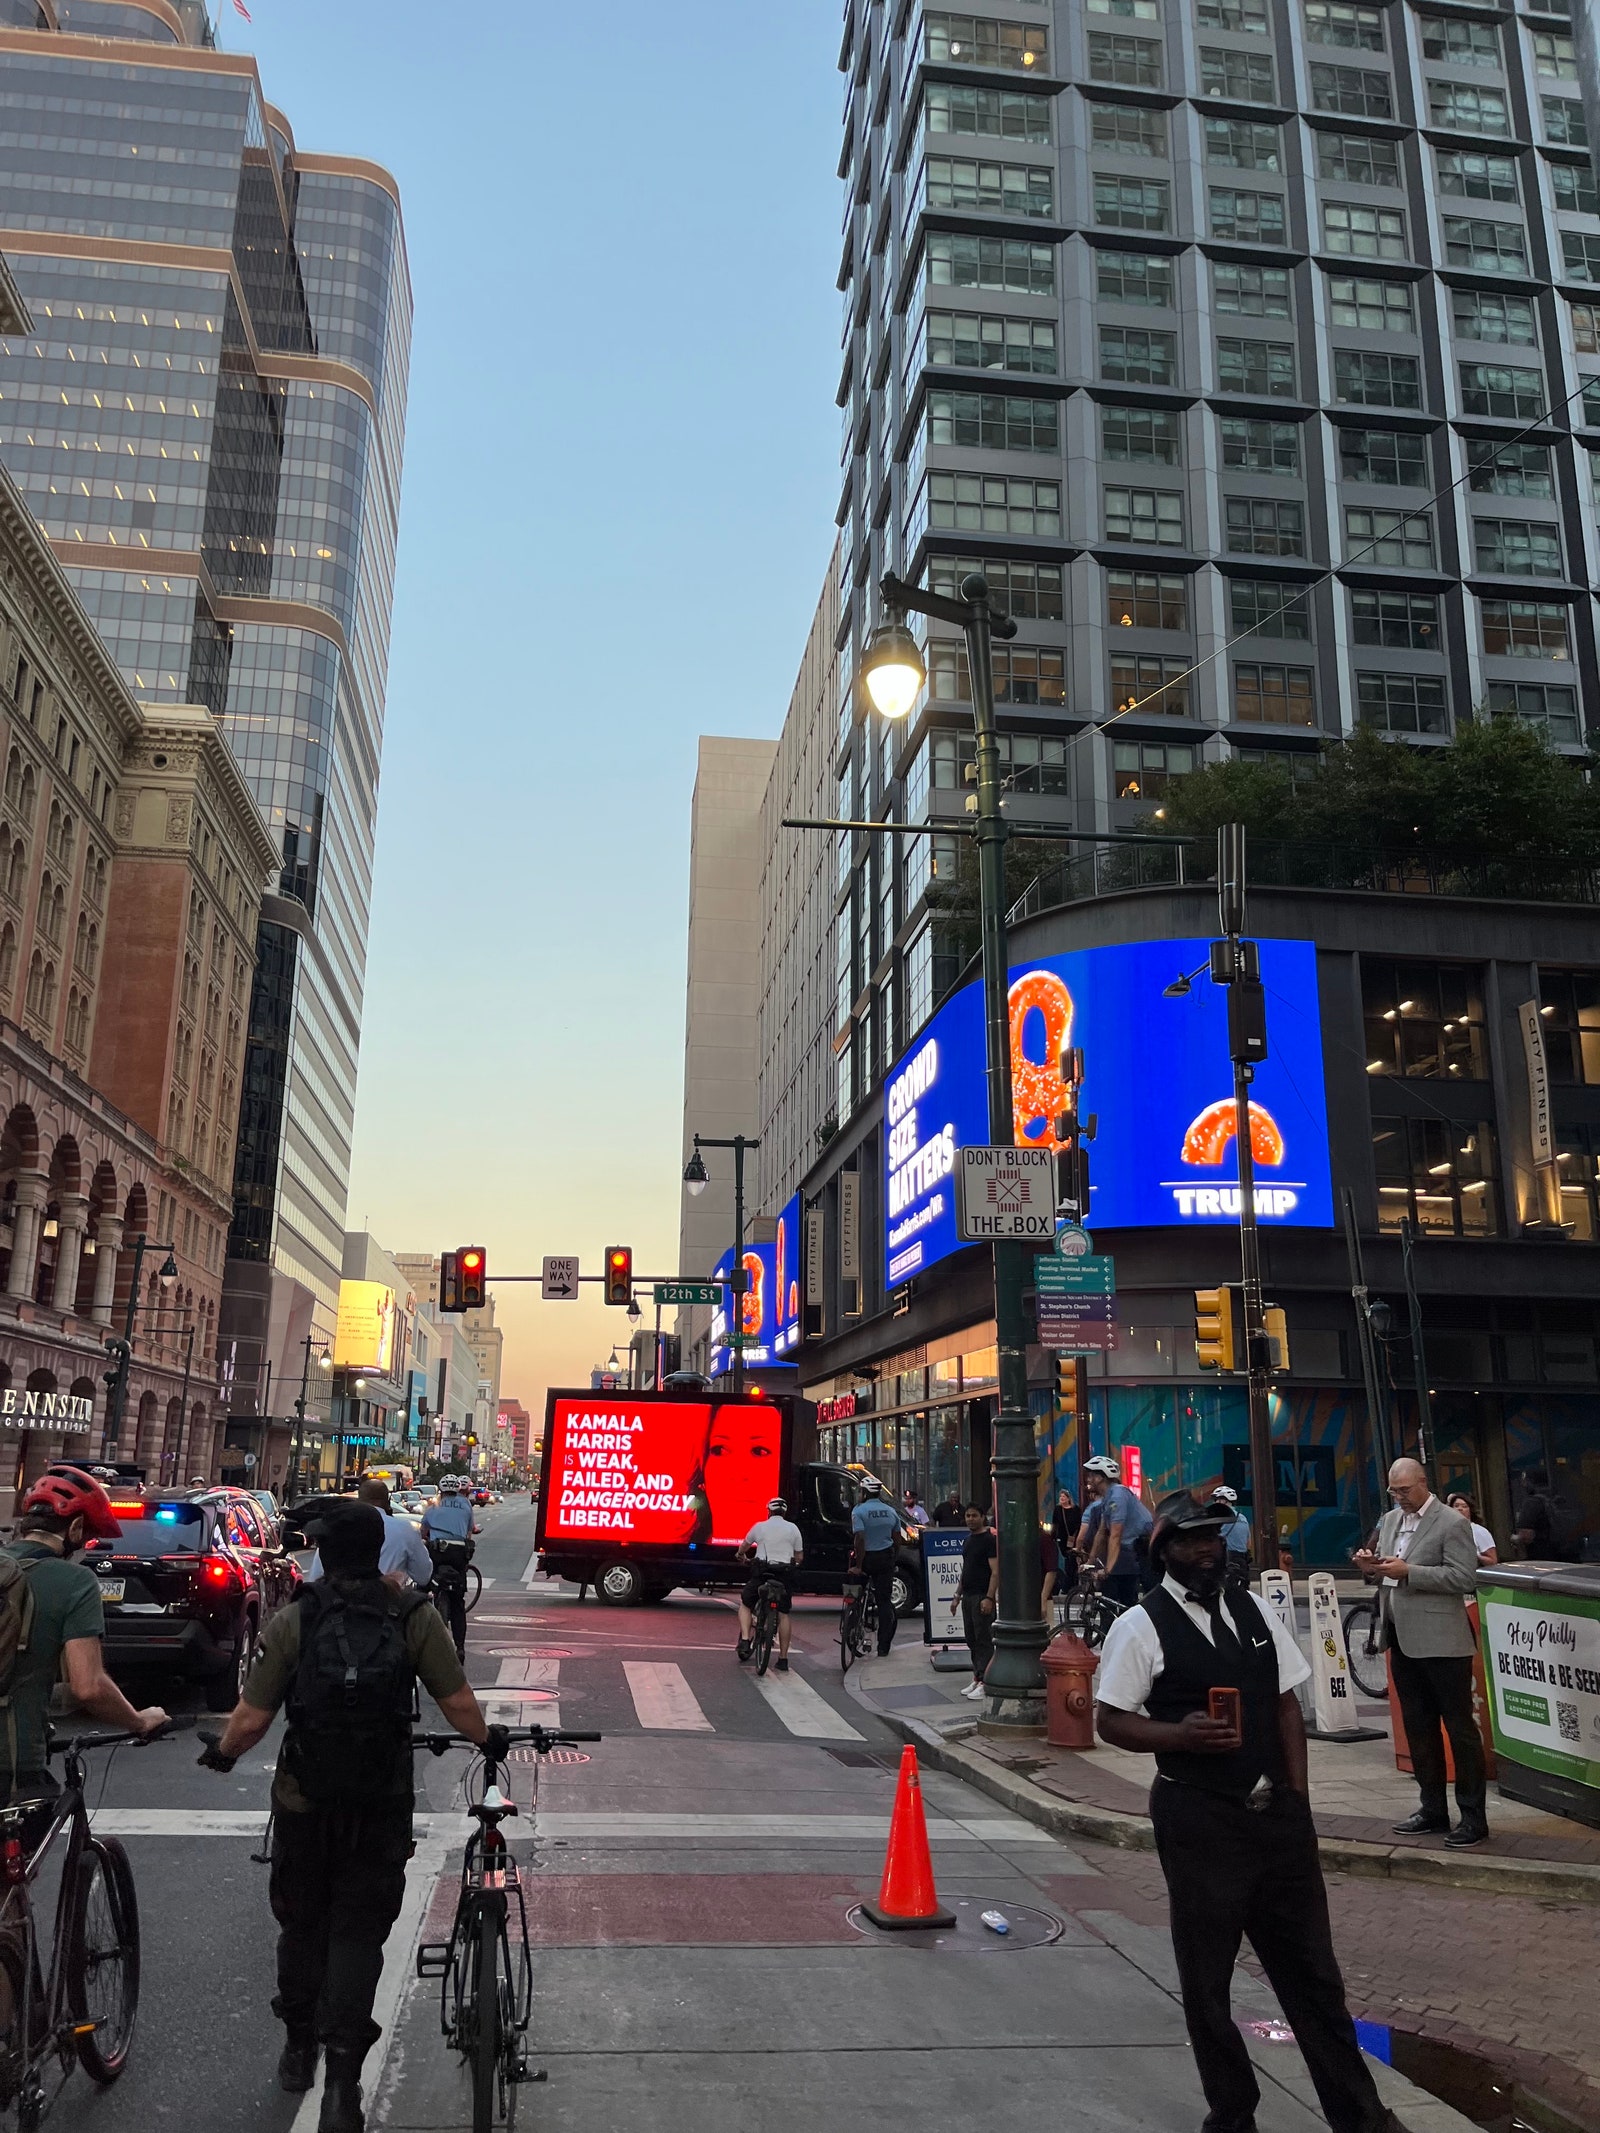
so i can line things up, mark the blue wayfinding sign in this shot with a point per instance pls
(941, 1583)
(1157, 1072)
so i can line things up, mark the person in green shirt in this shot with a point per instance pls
(57, 1516)
(339, 1863)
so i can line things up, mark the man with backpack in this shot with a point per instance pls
(344, 1661)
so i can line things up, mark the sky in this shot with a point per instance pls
(621, 473)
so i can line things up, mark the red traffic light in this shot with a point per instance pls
(619, 1273)
(472, 1274)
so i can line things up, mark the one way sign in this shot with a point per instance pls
(560, 1281)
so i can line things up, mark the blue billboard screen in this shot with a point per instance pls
(771, 1329)
(1157, 1073)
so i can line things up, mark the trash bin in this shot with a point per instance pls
(1541, 1652)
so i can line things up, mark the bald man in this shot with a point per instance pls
(1426, 1565)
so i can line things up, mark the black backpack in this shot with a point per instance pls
(350, 1708)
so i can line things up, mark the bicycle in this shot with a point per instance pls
(765, 1617)
(84, 2004)
(1090, 1613)
(858, 1621)
(486, 1991)
(1368, 1668)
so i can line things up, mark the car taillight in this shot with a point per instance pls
(218, 1572)
(13, 1866)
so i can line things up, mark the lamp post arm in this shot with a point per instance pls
(911, 599)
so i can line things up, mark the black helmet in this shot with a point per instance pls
(1179, 1513)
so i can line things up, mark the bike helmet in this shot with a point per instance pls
(779, 1504)
(1225, 1495)
(449, 1484)
(71, 1493)
(872, 1486)
(1103, 1466)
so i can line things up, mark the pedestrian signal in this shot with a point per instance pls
(1217, 1341)
(619, 1273)
(1276, 1322)
(472, 1273)
(449, 1283)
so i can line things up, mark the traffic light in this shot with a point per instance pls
(449, 1283)
(1217, 1342)
(118, 1354)
(472, 1273)
(1276, 1323)
(619, 1273)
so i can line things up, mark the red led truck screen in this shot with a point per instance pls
(672, 1473)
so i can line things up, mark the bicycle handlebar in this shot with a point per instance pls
(544, 1738)
(80, 1743)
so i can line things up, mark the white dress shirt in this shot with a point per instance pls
(1131, 1661)
(402, 1550)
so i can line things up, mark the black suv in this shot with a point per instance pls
(190, 1584)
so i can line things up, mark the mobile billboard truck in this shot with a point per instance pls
(642, 1492)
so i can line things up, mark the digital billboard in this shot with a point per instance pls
(671, 1473)
(787, 1277)
(766, 1338)
(364, 1335)
(1157, 1073)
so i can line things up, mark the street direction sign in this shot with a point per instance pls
(1006, 1193)
(1078, 1321)
(560, 1284)
(1094, 1276)
(689, 1292)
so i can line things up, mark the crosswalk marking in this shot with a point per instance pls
(526, 1692)
(798, 1829)
(662, 1699)
(528, 1674)
(802, 1710)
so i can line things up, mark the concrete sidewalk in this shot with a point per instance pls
(1357, 1794)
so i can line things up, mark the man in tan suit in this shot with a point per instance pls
(1427, 1562)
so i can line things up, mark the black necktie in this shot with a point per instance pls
(1222, 1631)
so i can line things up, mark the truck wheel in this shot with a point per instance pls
(905, 1596)
(619, 1583)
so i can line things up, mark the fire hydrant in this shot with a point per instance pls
(1069, 1697)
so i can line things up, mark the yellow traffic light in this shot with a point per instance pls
(1216, 1343)
(1276, 1325)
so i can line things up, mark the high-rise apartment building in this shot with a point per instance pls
(1252, 350)
(207, 420)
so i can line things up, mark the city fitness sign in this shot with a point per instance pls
(69, 1412)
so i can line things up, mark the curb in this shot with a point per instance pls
(1540, 1878)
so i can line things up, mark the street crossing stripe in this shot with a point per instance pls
(662, 1699)
(639, 1829)
(528, 1674)
(229, 1822)
(802, 1710)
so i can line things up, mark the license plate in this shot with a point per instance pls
(113, 1588)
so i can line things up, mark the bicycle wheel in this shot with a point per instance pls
(491, 1989)
(103, 1959)
(847, 1636)
(766, 1632)
(1366, 1655)
(474, 1586)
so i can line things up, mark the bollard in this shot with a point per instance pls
(1069, 1696)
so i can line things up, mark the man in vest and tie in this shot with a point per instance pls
(1232, 1816)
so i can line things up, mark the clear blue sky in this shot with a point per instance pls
(621, 472)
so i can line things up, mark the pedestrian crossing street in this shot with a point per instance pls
(607, 1692)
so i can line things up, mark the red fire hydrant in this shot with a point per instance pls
(1069, 1696)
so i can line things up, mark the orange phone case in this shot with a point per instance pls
(1225, 1704)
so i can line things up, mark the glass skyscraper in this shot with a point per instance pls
(208, 420)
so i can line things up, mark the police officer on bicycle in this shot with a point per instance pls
(345, 1660)
(874, 1529)
(777, 1546)
(447, 1530)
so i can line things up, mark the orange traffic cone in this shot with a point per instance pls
(906, 1897)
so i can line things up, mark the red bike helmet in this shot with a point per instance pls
(71, 1493)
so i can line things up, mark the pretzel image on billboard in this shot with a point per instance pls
(1207, 1140)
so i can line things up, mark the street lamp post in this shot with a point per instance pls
(894, 674)
(121, 1349)
(1419, 1357)
(324, 1362)
(694, 1177)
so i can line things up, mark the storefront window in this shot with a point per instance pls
(944, 1452)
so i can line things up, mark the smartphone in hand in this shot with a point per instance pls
(1226, 1705)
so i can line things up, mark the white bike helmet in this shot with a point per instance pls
(872, 1486)
(1108, 1468)
(1226, 1495)
(778, 1504)
(449, 1484)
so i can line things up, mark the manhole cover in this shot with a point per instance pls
(520, 1698)
(969, 1935)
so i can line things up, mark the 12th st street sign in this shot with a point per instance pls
(1005, 1193)
(689, 1292)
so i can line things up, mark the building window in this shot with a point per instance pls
(1030, 591)
(1367, 232)
(1137, 355)
(994, 503)
(1525, 629)
(1266, 525)
(1247, 218)
(1131, 203)
(1402, 703)
(1578, 1157)
(1551, 706)
(979, 41)
(1358, 158)
(1475, 174)
(1585, 328)
(1463, 44)
(1150, 515)
(1401, 622)
(1516, 548)
(956, 340)
(1143, 681)
(1496, 389)
(1573, 188)
(1246, 77)
(1248, 15)
(1389, 540)
(1242, 144)
(1438, 1173)
(1261, 447)
(1361, 379)
(1262, 608)
(1563, 122)
(1266, 694)
(1023, 674)
(1485, 315)
(1146, 436)
(1134, 278)
(1510, 469)
(1353, 91)
(1130, 128)
(1590, 418)
(1359, 29)
(1394, 458)
(1374, 306)
(1486, 247)
(1265, 368)
(1580, 256)
(1424, 1021)
(1007, 114)
(994, 422)
(1144, 770)
(1128, 10)
(1008, 263)
(1135, 62)
(1465, 108)
(1570, 1011)
(1555, 55)
(1147, 600)
(991, 188)
(1254, 292)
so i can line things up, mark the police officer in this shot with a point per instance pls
(1235, 1533)
(339, 1862)
(874, 1529)
(1232, 1817)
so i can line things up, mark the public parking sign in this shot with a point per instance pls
(1006, 1193)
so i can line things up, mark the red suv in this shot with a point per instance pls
(190, 1583)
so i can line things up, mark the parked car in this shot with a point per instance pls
(189, 1584)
